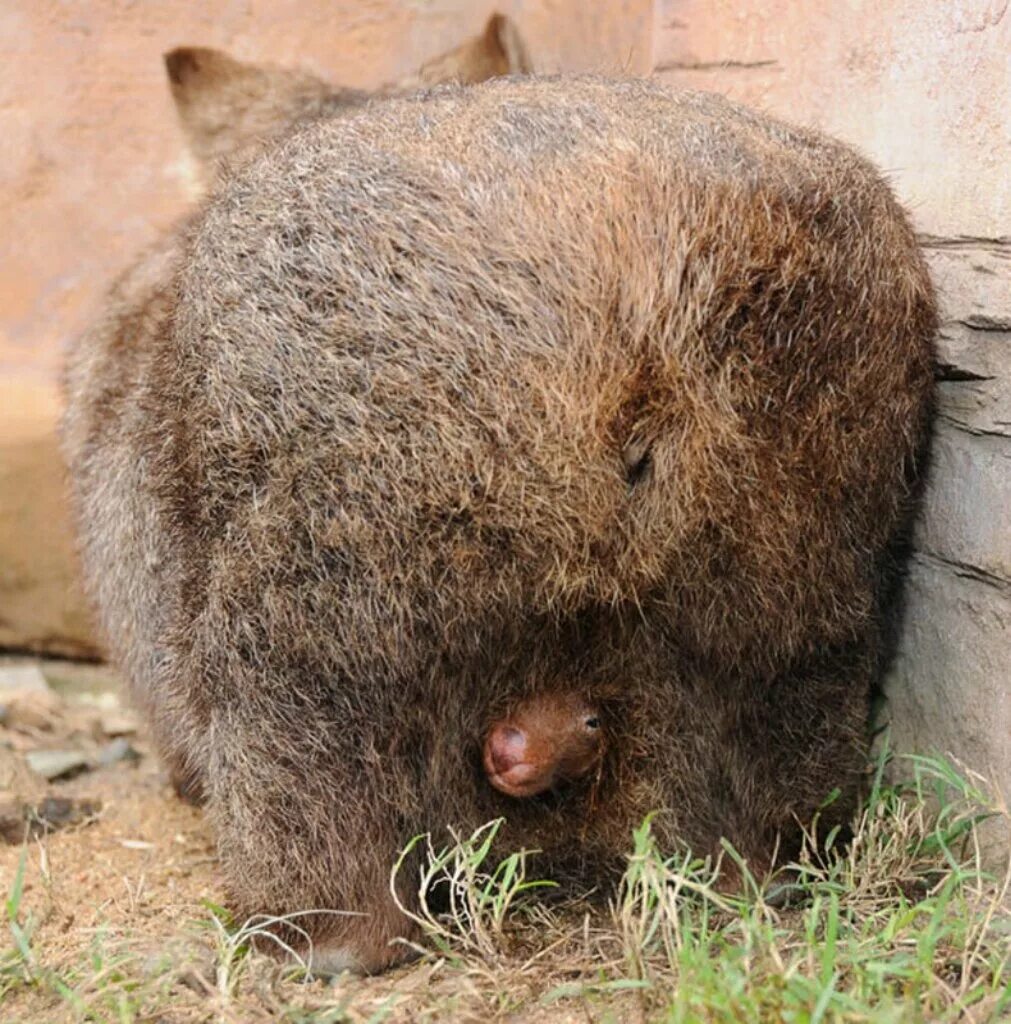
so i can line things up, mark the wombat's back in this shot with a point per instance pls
(551, 344)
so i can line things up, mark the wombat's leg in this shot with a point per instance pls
(307, 820)
(753, 758)
(797, 749)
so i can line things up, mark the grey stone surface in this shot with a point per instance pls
(56, 764)
(949, 689)
(966, 515)
(971, 276)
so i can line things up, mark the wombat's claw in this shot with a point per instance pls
(325, 961)
(330, 959)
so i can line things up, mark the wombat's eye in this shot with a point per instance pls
(592, 722)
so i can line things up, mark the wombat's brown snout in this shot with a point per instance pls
(545, 741)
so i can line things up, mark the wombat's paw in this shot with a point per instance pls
(325, 960)
(188, 786)
(328, 958)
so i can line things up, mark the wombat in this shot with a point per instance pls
(545, 741)
(437, 407)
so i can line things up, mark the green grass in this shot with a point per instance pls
(904, 925)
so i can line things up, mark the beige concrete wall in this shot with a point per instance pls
(924, 88)
(91, 170)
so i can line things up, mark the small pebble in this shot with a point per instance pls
(56, 764)
(22, 677)
(55, 812)
(32, 709)
(12, 822)
(118, 723)
(118, 750)
(19, 821)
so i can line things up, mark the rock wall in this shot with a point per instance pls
(924, 88)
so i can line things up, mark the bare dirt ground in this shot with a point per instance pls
(140, 866)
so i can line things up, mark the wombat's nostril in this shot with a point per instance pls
(507, 747)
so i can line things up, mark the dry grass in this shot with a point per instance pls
(903, 925)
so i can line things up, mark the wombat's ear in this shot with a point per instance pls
(498, 50)
(501, 35)
(226, 106)
(202, 79)
(189, 66)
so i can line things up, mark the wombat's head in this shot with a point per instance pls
(545, 741)
(229, 108)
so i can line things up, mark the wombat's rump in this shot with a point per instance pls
(541, 380)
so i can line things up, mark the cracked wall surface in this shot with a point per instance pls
(923, 87)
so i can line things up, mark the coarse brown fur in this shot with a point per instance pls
(228, 110)
(477, 393)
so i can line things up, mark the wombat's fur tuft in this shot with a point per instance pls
(479, 393)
